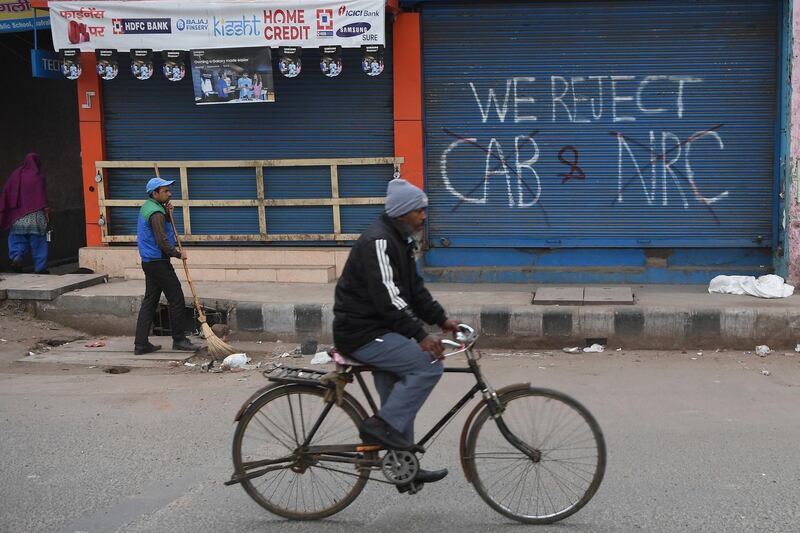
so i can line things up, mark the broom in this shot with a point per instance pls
(216, 346)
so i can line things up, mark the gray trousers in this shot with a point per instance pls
(405, 379)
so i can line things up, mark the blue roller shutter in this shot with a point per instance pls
(601, 124)
(313, 117)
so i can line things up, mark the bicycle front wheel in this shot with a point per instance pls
(566, 469)
(298, 486)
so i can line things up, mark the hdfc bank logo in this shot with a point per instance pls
(140, 26)
(324, 22)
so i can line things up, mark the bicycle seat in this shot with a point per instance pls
(341, 359)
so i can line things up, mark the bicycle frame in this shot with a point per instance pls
(493, 403)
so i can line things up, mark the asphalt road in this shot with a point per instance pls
(695, 443)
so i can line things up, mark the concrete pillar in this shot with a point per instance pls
(793, 199)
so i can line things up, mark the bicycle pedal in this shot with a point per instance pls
(411, 488)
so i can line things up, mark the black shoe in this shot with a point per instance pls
(141, 349)
(16, 265)
(184, 345)
(411, 488)
(430, 476)
(375, 430)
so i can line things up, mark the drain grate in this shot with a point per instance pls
(162, 325)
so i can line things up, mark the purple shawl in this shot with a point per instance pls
(23, 193)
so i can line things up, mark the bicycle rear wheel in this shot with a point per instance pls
(565, 476)
(298, 486)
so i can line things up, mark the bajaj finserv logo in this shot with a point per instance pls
(140, 26)
(191, 24)
(236, 27)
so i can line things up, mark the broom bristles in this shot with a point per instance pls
(216, 346)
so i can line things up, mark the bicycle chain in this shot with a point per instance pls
(370, 478)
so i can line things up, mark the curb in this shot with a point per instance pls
(500, 326)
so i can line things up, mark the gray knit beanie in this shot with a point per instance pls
(403, 197)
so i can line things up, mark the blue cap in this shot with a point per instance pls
(155, 183)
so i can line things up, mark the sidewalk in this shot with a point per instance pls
(662, 316)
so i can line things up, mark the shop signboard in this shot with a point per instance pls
(185, 25)
(46, 64)
(19, 15)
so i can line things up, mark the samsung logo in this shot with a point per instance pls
(354, 29)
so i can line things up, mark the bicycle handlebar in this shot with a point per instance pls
(467, 337)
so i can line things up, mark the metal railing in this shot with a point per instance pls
(185, 203)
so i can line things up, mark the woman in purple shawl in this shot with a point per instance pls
(24, 209)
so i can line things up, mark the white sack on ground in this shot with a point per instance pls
(768, 286)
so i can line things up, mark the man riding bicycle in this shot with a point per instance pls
(380, 305)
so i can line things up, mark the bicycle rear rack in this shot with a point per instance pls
(288, 374)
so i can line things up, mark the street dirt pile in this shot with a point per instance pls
(21, 333)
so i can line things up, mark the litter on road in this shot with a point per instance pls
(96, 344)
(767, 286)
(320, 358)
(573, 349)
(235, 360)
(594, 348)
(762, 350)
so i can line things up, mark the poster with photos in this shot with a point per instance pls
(142, 63)
(232, 76)
(71, 63)
(372, 60)
(289, 63)
(174, 67)
(107, 63)
(330, 60)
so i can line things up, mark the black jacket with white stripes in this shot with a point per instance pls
(380, 290)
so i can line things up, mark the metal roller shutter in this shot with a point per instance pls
(313, 117)
(601, 124)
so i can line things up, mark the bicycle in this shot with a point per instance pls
(515, 443)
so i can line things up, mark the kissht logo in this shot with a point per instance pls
(353, 30)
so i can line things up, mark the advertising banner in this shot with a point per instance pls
(189, 25)
(18, 15)
(232, 76)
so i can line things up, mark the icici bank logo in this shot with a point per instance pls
(342, 9)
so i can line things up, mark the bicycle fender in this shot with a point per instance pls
(468, 424)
